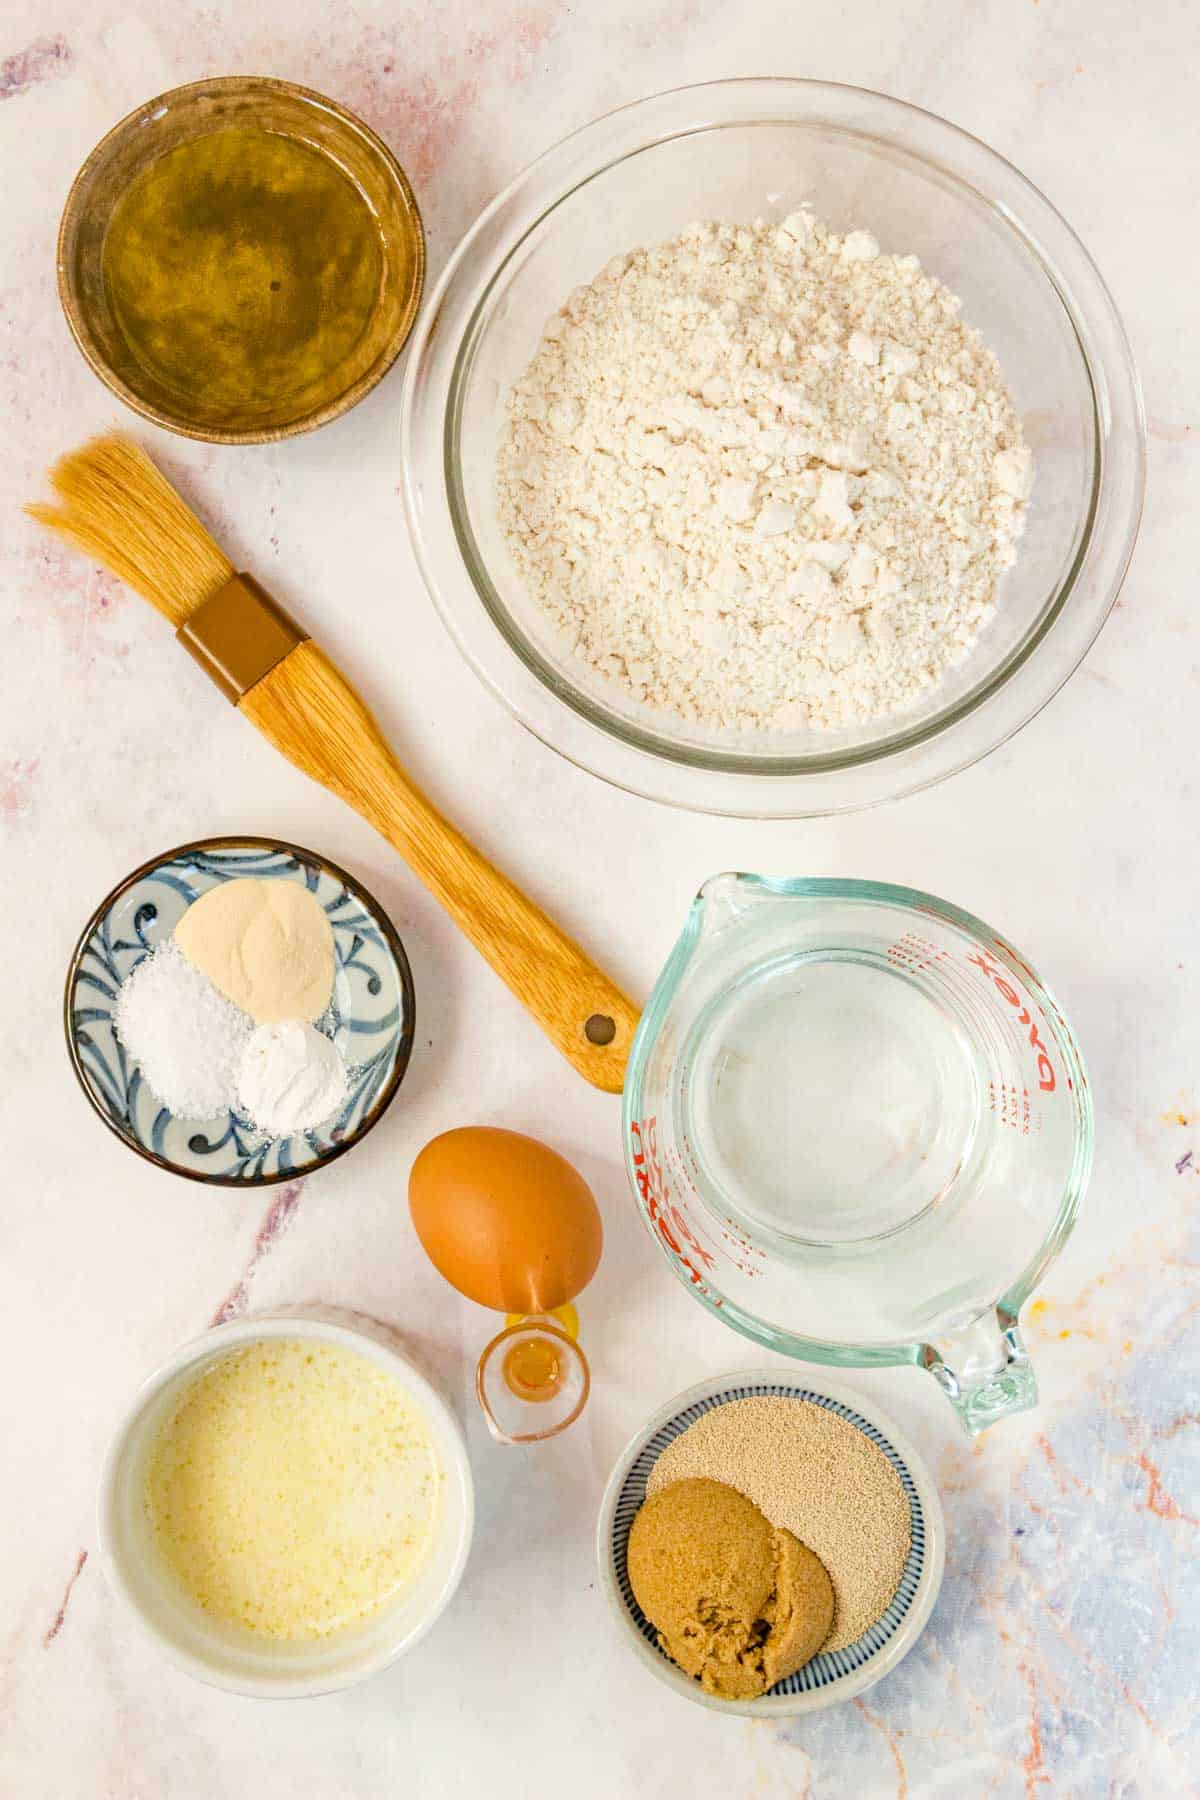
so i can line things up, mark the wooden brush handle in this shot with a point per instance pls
(309, 711)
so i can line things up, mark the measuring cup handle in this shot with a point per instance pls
(984, 1369)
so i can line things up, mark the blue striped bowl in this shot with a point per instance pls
(370, 1016)
(830, 1677)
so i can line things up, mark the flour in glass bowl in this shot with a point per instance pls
(764, 478)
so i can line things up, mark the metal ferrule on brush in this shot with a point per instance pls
(239, 635)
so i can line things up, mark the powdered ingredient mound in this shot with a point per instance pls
(813, 1474)
(266, 944)
(186, 1038)
(764, 479)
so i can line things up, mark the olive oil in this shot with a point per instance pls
(242, 267)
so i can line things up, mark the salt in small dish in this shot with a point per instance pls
(829, 1677)
(370, 1016)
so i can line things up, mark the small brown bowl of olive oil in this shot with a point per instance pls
(241, 260)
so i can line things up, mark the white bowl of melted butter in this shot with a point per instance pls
(287, 1507)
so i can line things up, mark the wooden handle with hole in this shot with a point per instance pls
(309, 711)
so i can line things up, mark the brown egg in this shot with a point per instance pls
(505, 1219)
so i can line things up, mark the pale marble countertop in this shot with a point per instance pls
(1061, 1659)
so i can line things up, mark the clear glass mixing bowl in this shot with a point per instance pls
(738, 150)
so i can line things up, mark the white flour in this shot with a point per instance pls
(764, 478)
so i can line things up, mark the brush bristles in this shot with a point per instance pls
(118, 508)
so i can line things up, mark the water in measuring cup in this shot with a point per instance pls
(831, 1099)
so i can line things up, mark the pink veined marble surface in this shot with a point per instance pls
(1062, 1657)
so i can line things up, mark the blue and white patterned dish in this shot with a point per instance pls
(830, 1677)
(370, 1016)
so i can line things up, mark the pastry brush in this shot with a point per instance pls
(115, 504)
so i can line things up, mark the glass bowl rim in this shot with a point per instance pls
(587, 734)
(146, 115)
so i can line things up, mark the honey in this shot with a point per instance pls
(533, 1369)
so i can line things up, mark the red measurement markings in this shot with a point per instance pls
(1011, 1105)
(914, 953)
(662, 1213)
(733, 1234)
(1045, 1068)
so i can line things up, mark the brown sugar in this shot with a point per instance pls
(800, 1612)
(738, 1604)
(813, 1474)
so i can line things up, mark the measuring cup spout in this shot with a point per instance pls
(984, 1369)
(725, 899)
(720, 903)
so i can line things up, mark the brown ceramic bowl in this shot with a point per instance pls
(375, 202)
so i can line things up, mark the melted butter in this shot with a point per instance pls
(242, 267)
(293, 1489)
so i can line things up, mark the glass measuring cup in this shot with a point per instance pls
(859, 1127)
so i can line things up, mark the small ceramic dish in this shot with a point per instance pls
(370, 1017)
(226, 1655)
(254, 280)
(828, 1678)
